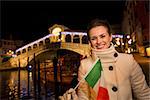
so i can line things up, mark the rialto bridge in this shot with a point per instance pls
(48, 46)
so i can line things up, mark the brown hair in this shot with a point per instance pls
(98, 22)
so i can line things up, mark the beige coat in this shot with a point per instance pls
(123, 77)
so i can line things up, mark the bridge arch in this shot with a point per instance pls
(71, 58)
(72, 41)
(35, 46)
(68, 38)
(85, 39)
(29, 48)
(47, 40)
(41, 43)
(24, 50)
(76, 39)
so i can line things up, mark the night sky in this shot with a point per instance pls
(30, 20)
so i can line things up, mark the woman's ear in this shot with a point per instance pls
(111, 37)
(89, 43)
(90, 48)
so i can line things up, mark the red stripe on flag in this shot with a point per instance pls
(102, 94)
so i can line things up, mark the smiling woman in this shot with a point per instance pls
(106, 72)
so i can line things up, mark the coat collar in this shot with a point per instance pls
(107, 55)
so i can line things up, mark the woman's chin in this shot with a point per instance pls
(100, 48)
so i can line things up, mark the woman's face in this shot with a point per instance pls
(100, 38)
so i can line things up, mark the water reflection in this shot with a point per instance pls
(9, 84)
(15, 85)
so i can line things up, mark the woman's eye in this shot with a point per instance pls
(93, 38)
(102, 36)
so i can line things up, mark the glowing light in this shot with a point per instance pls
(117, 39)
(118, 43)
(30, 74)
(56, 31)
(118, 36)
(148, 51)
(49, 35)
(128, 36)
(129, 51)
(30, 66)
(115, 45)
(75, 33)
(14, 55)
(32, 43)
(130, 41)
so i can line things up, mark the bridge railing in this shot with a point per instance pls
(24, 56)
(73, 45)
(82, 49)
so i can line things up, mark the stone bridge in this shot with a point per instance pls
(46, 47)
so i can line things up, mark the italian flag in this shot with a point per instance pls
(92, 77)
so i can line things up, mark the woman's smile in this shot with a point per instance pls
(100, 38)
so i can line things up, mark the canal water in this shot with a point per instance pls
(15, 85)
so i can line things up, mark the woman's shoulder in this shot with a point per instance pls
(89, 58)
(124, 58)
(126, 61)
(125, 55)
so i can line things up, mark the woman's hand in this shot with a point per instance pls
(69, 95)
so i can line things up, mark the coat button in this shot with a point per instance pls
(115, 55)
(114, 88)
(110, 67)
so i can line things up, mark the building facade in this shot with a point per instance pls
(136, 23)
(7, 48)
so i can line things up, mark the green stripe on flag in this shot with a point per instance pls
(94, 75)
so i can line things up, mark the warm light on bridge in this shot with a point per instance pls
(74, 33)
(49, 35)
(41, 39)
(65, 33)
(56, 31)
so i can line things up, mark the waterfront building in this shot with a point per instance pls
(136, 24)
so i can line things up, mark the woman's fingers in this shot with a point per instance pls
(61, 98)
(69, 95)
(73, 94)
(71, 90)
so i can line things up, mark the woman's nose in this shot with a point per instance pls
(99, 40)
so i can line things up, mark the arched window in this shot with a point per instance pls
(76, 39)
(35, 45)
(24, 50)
(47, 40)
(85, 39)
(18, 53)
(68, 38)
(29, 48)
(41, 43)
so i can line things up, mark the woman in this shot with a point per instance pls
(123, 78)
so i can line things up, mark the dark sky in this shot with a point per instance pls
(29, 20)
